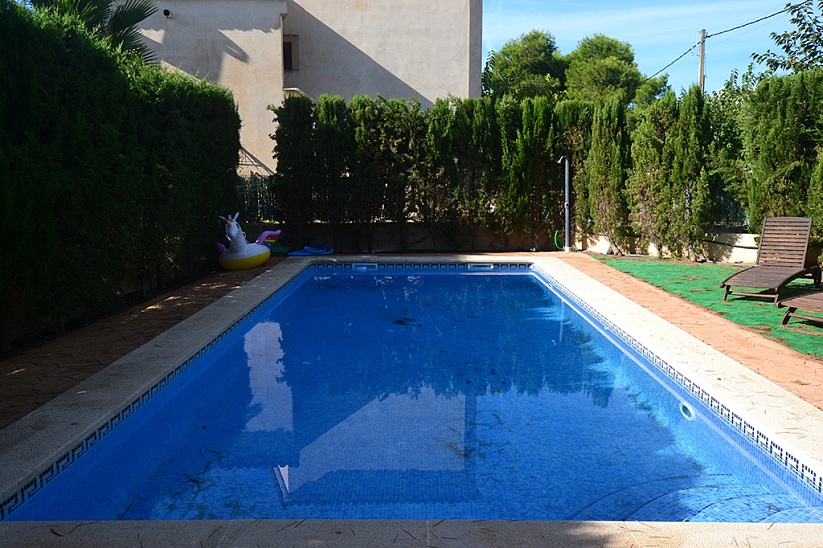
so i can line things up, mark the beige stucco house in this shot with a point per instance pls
(265, 49)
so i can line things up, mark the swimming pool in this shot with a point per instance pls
(457, 436)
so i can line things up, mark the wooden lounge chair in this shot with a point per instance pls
(781, 258)
(812, 302)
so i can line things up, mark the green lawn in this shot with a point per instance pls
(699, 283)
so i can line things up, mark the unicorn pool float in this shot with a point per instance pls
(242, 254)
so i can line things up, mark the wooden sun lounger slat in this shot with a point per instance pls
(812, 302)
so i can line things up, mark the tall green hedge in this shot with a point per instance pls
(190, 136)
(646, 189)
(293, 184)
(607, 167)
(574, 119)
(665, 172)
(111, 170)
(783, 138)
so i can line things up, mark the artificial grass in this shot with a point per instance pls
(699, 283)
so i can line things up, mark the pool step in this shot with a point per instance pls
(716, 503)
(665, 499)
(770, 508)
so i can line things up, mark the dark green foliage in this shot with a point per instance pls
(532, 188)
(80, 161)
(727, 110)
(803, 46)
(509, 119)
(435, 174)
(491, 163)
(574, 119)
(688, 203)
(334, 147)
(476, 137)
(814, 205)
(602, 68)
(651, 89)
(389, 134)
(402, 130)
(647, 186)
(190, 131)
(669, 186)
(71, 171)
(114, 22)
(368, 185)
(293, 183)
(525, 67)
(606, 167)
(782, 138)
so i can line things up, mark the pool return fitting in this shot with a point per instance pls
(687, 411)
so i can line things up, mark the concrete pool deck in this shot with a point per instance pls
(795, 373)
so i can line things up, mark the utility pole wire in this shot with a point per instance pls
(682, 55)
(784, 10)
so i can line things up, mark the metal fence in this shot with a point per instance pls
(255, 200)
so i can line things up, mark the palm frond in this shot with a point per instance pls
(127, 16)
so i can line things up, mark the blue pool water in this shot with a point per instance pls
(403, 395)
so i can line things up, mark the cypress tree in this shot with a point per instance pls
(532, 187)
(814, 205)
(333, 151)
(727, 109)
(606, 167)
(477, 160)
(649, 176)
(367, 185)
(689, 202)
(435, 173)
(293, 183)
(509, 118)
(401, 131)
(781, 135)
(574, 119)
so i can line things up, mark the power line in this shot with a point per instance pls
(682, 55)
(784, 10)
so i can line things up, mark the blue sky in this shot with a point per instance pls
(658, 31)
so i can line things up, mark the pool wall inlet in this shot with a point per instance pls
(39, 446)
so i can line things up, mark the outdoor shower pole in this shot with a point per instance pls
(567, 247)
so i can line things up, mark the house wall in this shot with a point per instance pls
(426, 49)
(237, 44)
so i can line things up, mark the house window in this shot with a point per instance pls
(290, 57)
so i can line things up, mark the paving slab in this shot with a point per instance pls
(798, 373)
